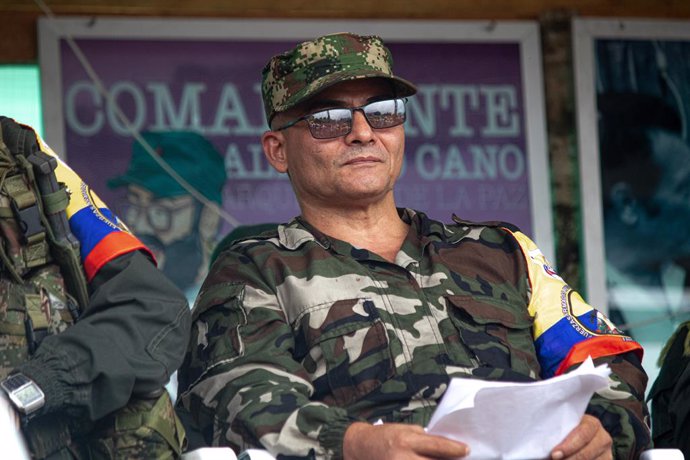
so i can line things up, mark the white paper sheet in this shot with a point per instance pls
(516, 421)
(11, 438)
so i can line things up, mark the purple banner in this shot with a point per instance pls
(465, 135)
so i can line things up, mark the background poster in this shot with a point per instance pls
(475, 142)
(641, 87)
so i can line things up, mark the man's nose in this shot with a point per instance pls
(362, 132)
(137, 219)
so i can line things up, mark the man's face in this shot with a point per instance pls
(668, 218)
(170, 219)
(356, 169)
(169, 228)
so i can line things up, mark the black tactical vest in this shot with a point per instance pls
(42, 284)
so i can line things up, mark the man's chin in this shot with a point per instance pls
(159, 255)
(180, 260)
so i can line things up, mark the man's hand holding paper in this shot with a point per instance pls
(544, 419)
(399, 441)
(588, 440)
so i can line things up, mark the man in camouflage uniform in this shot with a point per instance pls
(357, 311)
(95, 378)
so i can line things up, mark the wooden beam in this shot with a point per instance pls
(18, 17)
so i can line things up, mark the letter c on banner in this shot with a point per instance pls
(79, 127)
(511, 162)
(434, 169)
(139, 108)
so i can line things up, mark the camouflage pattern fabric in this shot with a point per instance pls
(296, 335)
(43, 301)
(312, 66)
(144, 429)
(33, 296)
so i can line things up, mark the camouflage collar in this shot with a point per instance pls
(432, 230)
(298, 231)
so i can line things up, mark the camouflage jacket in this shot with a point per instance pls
(296, 335)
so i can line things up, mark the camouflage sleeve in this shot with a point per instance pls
(239, 381)
(566, 331)
(621, 407)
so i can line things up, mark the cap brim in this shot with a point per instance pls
(125, 180)
(403, 88)
(119, 181)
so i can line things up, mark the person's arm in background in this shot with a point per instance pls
(128, 342)
(567, 330)
(132, 334)
(670, 395)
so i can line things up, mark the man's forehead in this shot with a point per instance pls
(353, 91)
(138, 191)
(364, 85)
(144, 196)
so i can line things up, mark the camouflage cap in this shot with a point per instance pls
(190, 154)
(312, 66)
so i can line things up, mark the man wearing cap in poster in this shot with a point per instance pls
(179, 230)
(358, 311)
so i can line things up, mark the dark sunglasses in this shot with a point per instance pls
(331, 123)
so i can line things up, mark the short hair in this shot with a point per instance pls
(625, 148)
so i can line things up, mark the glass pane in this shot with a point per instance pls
(20, 94)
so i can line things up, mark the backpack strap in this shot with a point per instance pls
(25, 206)
(37, 168)
(25, 234)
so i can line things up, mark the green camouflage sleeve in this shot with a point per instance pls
(244, 388)
(568, 331)
(621, 408)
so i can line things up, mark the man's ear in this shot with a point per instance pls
(273, 143)
(625, 203)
